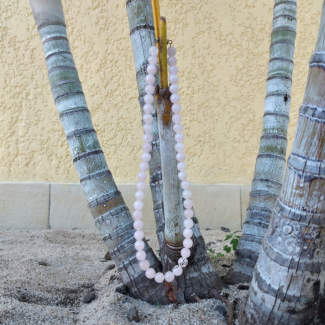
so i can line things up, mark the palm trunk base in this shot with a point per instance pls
(242, 265)
(198, 278)
(235, 276)
(314, 315)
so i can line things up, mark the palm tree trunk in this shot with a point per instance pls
(271, 159)
(289, 277)
(199, 277)
(105, 202)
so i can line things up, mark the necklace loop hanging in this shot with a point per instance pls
(139, 245)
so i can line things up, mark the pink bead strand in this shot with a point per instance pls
(144, 166)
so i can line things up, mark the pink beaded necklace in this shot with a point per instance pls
(144, 166)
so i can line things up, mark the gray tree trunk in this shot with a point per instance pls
(289, 277)
(199, 277)
(105, 202)
(271, 159)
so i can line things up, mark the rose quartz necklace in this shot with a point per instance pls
(144, 166)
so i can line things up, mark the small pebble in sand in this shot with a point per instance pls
(110, 267)
(133, 315)
(89, 297)
(121, 289)
(108, 256)
(225, 229)
(22, 297)
(221, 310)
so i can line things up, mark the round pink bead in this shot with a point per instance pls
(185, 252)
(149, 79)
(188, 223)
(187, 194)
(187, 233)
(147, 138)
(138, 205)
(139, 245)
(141, 255)
(188, 204)
(188, 213)
(179, 147)
(176, 118)
(185, 185)
(173, 79)
(181, 156)
(171, 51)
(178, 128)
(142, 176)
(150, 273)
(148, 108)
(148, 99)
(182, 262)
(171, 60)
(159, 277)
(182, 176)
(147, 147)
(177, 270)
(153, 60)
(151, 69)
(138, 225)
(172, 69)
(173, 88)
(174, 98)
(179, 137)
(139, 195)
(145, 156)
(141, 186)
(176, 108)
(147, 118)
(149, 89)
(169, 276)
(147, 128)
(137, 215)
(181, 166)
(138, 235)
(153, 50)
(187, 243)
(144, 265)
(144, 166)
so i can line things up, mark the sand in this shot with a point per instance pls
(45, 275)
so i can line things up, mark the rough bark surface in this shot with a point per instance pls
(289, 277)
(105, 202)
(199, 277)
(270, 162)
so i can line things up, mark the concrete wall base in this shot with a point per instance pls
(25, 206)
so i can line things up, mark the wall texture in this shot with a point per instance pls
(222, 53)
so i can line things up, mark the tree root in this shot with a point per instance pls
(230, 305)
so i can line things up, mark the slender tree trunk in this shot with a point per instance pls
(199, 277)
(289, 277)
(271, 159)
(105, 202)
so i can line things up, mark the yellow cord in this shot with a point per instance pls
(156, 16)
(161, 34)
(163, 53)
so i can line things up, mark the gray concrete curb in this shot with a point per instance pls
(27, 206)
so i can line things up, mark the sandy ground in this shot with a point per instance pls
(45, 275)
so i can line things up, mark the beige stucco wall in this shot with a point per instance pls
(222, 53)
